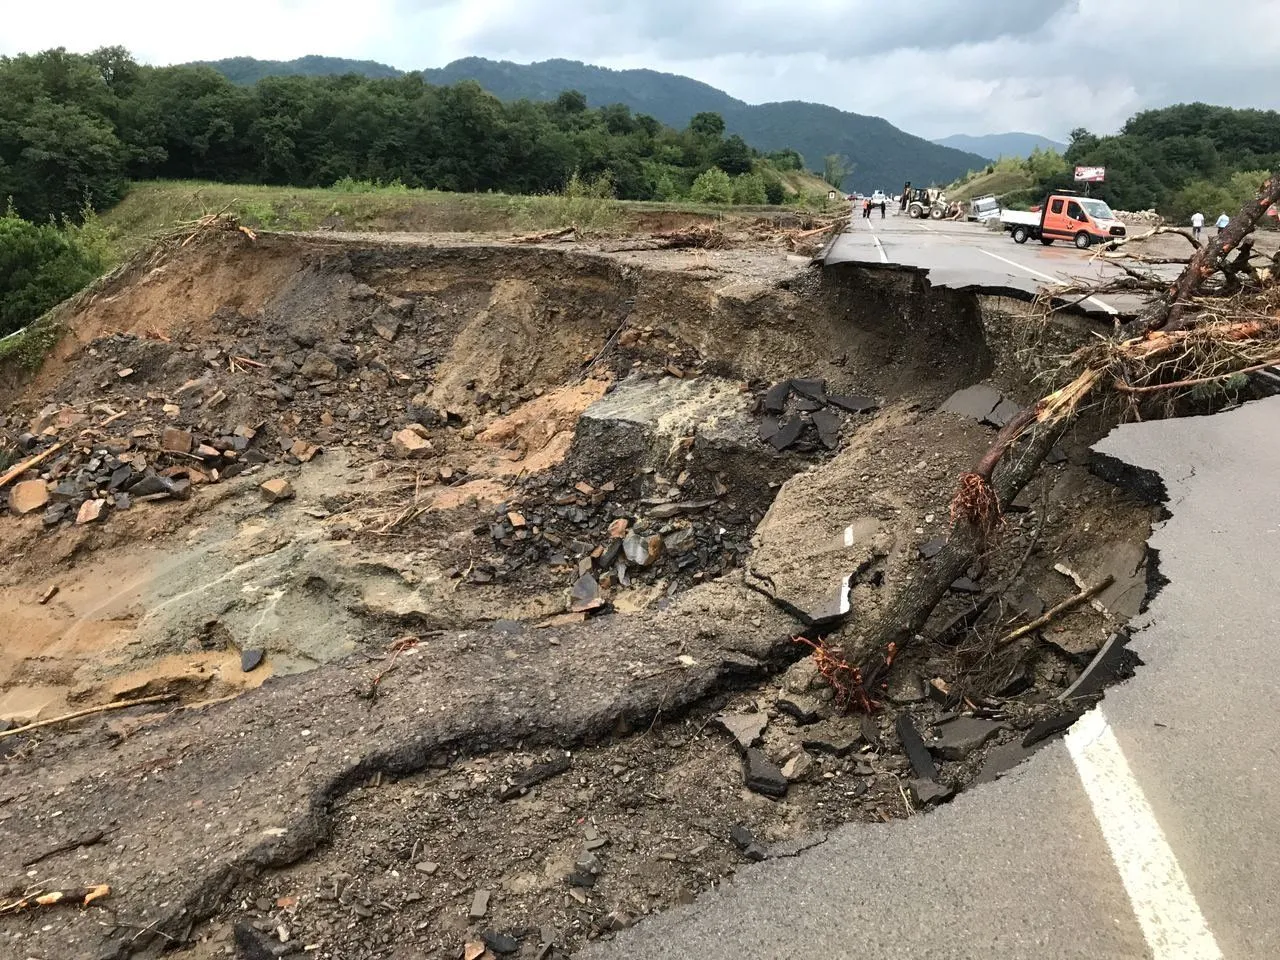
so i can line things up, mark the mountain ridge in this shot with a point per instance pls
(1014, 143)
(881, 155)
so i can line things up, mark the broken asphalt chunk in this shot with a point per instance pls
(832, 736)
(828, 425)
(854, 403)
(963, 735)
(775, 398)
(929, 792)
(803, 709)
(745, 728)
(931, 548)
(975, 402)
(1113, 662)
(746, 841)
(788, 433)
(913, 746)
(500, 943)
(762, 775)
(1003, 412)
(813, 388)
(250, 659)
(1052, 726)
(523, 782)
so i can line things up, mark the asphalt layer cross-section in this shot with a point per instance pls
(1019, 869)
(971, 256)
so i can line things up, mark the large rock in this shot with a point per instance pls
(28, 496)
(705, 422)
(410, 444)
(319, 367)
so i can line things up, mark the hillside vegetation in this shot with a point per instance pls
(1176, 160)
(75, 129)
(872, 152)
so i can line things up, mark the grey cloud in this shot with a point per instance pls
(682, 30)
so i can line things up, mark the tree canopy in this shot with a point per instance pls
(74, 129)
(1167, 159)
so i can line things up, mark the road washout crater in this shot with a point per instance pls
(547, 508)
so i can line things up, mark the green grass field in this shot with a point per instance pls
(154, 208)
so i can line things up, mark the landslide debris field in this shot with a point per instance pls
(462, 583)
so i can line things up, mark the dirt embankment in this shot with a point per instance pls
(539, 498)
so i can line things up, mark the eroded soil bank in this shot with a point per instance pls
(552, 513)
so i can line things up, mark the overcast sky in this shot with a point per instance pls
(931, 67)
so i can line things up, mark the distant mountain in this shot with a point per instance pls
(996, 145)
(247, 70)
(882, 156)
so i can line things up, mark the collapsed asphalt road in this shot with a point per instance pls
(1148, 833)
(969, 256)
(403, 389)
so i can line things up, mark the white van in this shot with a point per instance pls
(982, 209)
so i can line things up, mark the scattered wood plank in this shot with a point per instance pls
(19, 469)
(90, 711)
(1054, 612)
(81, 896)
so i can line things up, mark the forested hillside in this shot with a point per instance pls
(1178, 159)
(74, 129)
(871, 151)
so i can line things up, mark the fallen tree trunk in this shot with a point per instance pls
(1212, 256)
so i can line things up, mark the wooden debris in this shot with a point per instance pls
(1054, 612)
(567, 234)
(81, 896)
(117, 705)
(19, 469)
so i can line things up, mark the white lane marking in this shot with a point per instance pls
(1044, 276)
(884, 257)
(1162, 901)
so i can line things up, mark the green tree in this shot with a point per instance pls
(712, 186)
(707, 125)
(835, 168)
(749, 189)
(775, 192)
(40, 266)
(733, 156)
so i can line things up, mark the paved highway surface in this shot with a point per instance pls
(1149, 832)
(969, 255)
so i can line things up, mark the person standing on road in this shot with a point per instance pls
(881, 209)
(1223, 222)
(1197, 224)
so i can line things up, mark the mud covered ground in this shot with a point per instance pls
(538, 519)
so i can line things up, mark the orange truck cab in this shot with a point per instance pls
(1083, 221)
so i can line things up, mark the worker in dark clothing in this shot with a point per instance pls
(881, 209)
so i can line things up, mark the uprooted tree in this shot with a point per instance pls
(1219, 319)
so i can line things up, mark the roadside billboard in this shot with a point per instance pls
(1091, 174)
